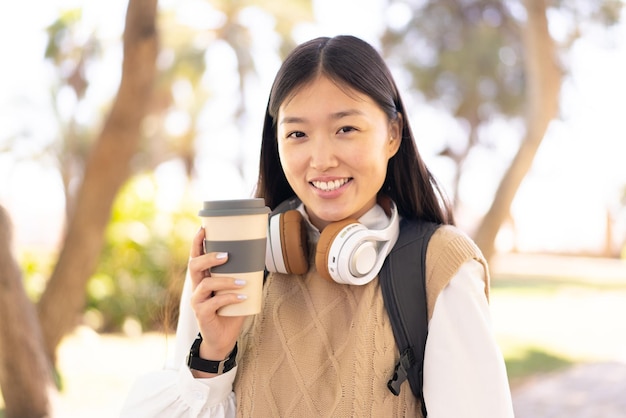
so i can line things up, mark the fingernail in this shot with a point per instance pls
(240, 282)
(221, 256)
(241, 296)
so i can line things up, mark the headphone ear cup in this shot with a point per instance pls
(293, 242)
(323, 246)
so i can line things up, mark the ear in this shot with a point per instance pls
(395, 135)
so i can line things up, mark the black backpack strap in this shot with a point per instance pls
(403, 284)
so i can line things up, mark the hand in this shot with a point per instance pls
(219, 333)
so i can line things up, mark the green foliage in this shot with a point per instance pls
(36, 268)
(468, 57)
(143, 260)
(59, 33)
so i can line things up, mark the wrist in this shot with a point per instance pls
(209, 352)
(203, 367)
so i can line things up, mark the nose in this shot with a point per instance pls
(322, 154)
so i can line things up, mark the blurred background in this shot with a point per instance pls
(111, 139)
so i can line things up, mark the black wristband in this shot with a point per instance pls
(195, 362)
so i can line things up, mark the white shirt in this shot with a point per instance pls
(460, 379)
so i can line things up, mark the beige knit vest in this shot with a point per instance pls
(322, 349)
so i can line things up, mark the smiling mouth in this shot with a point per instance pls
(328, 186)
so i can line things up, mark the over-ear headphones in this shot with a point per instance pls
(347, 251)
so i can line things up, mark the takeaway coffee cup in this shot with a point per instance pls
(238, 227)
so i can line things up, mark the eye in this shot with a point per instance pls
(296, 134)
(346, 129)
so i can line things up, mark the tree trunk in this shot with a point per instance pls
(543, 84)
(107, 168)
(25, 374)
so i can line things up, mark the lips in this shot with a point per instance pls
(329, 186)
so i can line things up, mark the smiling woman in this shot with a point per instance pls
(338, 151)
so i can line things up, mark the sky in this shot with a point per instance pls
(561, 206)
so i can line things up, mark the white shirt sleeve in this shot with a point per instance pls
(173, 392)
(177, 394)
(464, 371)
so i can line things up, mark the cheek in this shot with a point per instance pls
(372, 161)
(377, 168)
(289, 160)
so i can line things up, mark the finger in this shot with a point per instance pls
(210, 286)
(200, 266)
(207, 310)
(197, 247)
(215, 293)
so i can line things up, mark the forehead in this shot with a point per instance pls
(325, 89)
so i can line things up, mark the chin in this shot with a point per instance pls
(321, 218)
(330, 217)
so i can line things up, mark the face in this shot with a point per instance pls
(334, 145)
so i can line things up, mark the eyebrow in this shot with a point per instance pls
(334, 116)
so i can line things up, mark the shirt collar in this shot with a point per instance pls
(375, 218)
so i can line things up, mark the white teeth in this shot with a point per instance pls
(329, 185)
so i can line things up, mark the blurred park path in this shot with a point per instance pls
(98, 370)
(582, 323)
(584, 320)
(592, 390)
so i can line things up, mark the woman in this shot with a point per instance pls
(336, 137)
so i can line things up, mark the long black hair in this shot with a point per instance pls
(354, 63)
